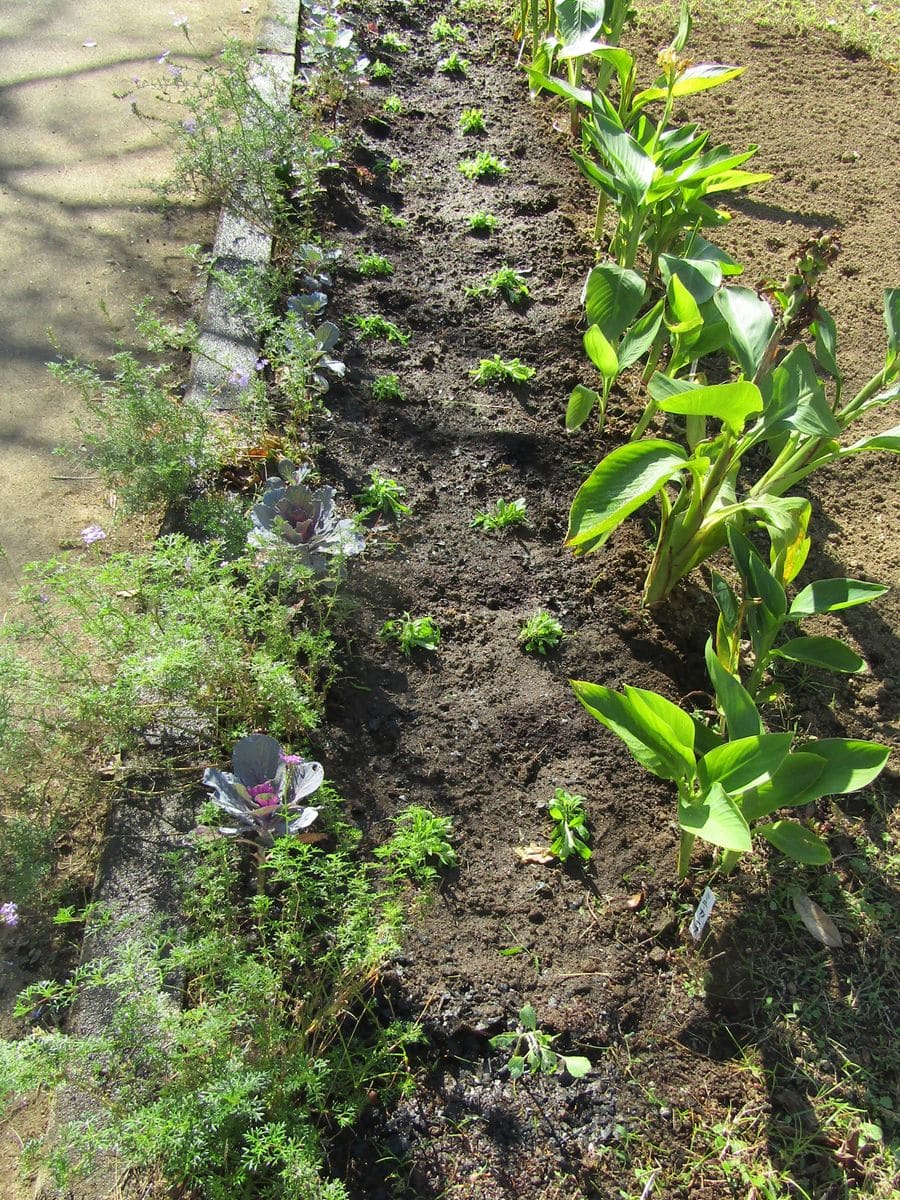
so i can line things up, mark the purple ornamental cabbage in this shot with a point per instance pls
(298, 516)
(265, 788)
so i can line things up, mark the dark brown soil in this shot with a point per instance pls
(483, 732)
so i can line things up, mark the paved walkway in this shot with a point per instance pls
(79, 239)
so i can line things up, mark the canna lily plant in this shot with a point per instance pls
(290, 513)
(265, 790)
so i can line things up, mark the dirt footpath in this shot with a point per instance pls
(80, 239)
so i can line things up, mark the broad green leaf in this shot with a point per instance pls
(700, 276)
(744, 763)
(619, 485)
(577, 19)
(612, 299)
(698, 78)
(662, 387)
(632, 167)
(825, 332)
(750, 323)
(827, 652)
(673, 724)
(741, 716)
(726, 601)
(581, 404)
(798, 398)
(794, 783)
(596, 175)
(601, 353)
(708, 252)
(685, 25)
(797, 842)
(684, 308)
(889, 440)
(831, 595)
(743, 552)
(850, 764)
(539, 81)
(730, 181)
(640, 337)
(730, 403)
(576, 1064)
(892, 318)
(705, 739)
(764, 585)
(618, 714)
(717, 819)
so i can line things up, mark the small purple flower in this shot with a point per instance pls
(261, 364)
(91, 534)
(239, 377)
(175, 72)
(9, 914)
(162, 58)
(291, 760)
(190, 125)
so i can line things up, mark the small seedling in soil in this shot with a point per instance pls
(386, 388)
(532, 1050)
(443, 31)
(502, 515)
(507, 282)
(482, 222)
(471, 120)
(377, 326)
(393, 105)
(483, 166)
(419, 836)
(454, 64)
(392, 41)
(373, 266)
(412, 633)
(540, 633)
(502, 370)
(389, 217)
(382, 496)
(381, 70)
(570, 833)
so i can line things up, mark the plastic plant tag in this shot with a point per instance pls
(701, 916)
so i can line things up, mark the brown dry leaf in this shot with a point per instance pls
(816, 920)
(635, 900)
(535, 853)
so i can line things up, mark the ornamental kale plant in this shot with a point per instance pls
(531, 1049)
(264, 789)
(292, 514)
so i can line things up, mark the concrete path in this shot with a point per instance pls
(80, 239)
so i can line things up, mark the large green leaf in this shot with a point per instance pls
(830, 653)
(539, 81)
(850, 764)
(741, 716)
(717, 819)
(581, 404)
(619, 485)
(708, 252)
(794, 783)
(578, 20)
(630, 164)
(892, 318)
(647, 744)
(600, 352)
(662, 387)
(700, 276)
(612, 299)
(730, 403)
(669, 721)
(797, 842)
(824, 331)
(697, 78)
(744, 763)
(750, 323)
(798, 398)
(685, 312)
(640, 337)
(830, 595)
(889, 440)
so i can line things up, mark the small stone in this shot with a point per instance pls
(657, 956)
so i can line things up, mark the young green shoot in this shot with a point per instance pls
(506, 282)
(482, 222)
(502, 370)
(454, 64)
(412, 633)
(502, 516)
(373, 266)
(471, 120)
(531, 1049)
(389, 217)
(387, 388)
(419, 839)
(483, 166)
(540, 633)
(393, 105)
(392, 41)
(570, 832)
(381, 70)
(383, 496)
(377, 326)
(443, 31)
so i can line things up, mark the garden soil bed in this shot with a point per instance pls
(484, 733)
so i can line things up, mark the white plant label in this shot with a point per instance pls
(701, 916)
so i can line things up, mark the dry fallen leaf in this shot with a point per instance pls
(635, 900)
(535, 853)
(816, 920)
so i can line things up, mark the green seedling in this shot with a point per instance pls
(483, 166)
(454, 64)
(396, 167)
(393, 105)
(419, 838)
(389, 217)
(502, 515)
(502, 370)
(531, 1049)
(392, 41)
(387, 388)
(506, 282)
(482, 222)
(570, 833)
(381, 70)
(443, 31)
(540, 633)
(373, 266)
(412, 633)
(377, 326)
(382, 496)
(471, 120)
